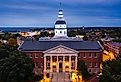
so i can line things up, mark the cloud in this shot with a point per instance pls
(22, 20)
(43, 21)
(89, 1)
(44, 12)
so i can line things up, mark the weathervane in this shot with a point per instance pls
(60, 5)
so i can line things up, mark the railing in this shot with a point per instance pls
(60, 77)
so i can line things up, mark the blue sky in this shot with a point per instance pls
(44, 12)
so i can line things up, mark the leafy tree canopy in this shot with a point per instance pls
(15, 66)
(82, 70)
(111, 71)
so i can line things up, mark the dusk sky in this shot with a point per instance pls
(44, 12)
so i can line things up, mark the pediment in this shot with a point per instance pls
(60, 49)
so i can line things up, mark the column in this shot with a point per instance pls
(51, 69)
(76, 63)
(57, 65)
(63, 63)
(44, 63)
(69, 63)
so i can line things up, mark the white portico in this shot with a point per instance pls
(60, 59)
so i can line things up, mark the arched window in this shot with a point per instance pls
(60, 31)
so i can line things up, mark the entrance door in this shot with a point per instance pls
(67, 68)
(54, 68)
(60, 67)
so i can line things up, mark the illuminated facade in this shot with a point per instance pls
(62, 53)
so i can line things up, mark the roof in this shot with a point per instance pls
(45, 45)
(116, 44)
(61, 38)
(60, 22)
(60, 10)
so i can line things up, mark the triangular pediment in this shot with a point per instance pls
(61, 49)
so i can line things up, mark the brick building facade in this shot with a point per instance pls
(62, 53)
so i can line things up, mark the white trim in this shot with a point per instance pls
(60, 55)
(90, 55)
(33, 51)
(20, 45)
(84, 55)
(96, 55)
(89, 70)
(95, 64)
(90, 64)
(36, 55)
(90, 50)
(100, 45)
(61, 46)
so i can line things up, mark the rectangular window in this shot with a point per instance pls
(90, 64)
(41, 55)
(36, 65)
(30, 55)
(96, 71)
(90, 70)
(84, 55)
(66, 58)
(60, 58)
(96, 55)
(47, 58)
(72, 58)
(40, 65)
(90, 55)
(48, 66)
(73, 64)
(36, 55)
(95, 64)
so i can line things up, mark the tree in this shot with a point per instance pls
(15, 66)
(85, 38)
(3, 53)
(71, 33)
(12, 41)
(44, 34)
(82, 70)
(111, 71)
